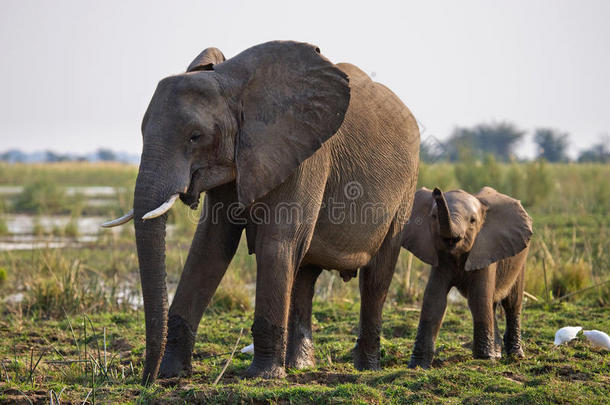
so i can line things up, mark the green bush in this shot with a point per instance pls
(71, 228)
(41, 197)
(473, 175)
(538, 183)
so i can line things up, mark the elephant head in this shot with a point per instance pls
(251, 119)
(487, 226)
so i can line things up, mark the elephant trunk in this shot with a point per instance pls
(444, 218)
(150, 191)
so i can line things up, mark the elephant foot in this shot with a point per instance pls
(174, 366)
(176, 360)
(512, 342)
(300, 355)
(266, 372)
(484, 344)
(516, 352)
(491, 355)
(366, 356)
(423, 360)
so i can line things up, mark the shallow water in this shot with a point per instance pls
(23, 224)
(30, 242)
(21, 230)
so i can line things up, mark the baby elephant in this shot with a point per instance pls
(477, 243)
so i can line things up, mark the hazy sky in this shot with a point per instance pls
(77, 75)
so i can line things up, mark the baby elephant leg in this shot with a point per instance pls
(480, 301)
(512, 308)
(497, 335)
(431, 318)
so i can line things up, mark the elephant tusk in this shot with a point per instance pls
(119, 221)
(163, 208)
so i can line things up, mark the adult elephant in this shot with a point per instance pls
(319, 148)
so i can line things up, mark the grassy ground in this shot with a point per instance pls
(576, 373)
(46, 294)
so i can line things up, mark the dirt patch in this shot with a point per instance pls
(120, 345)
(514, 377)
(13, 396)
(324, 378)
(570, 373)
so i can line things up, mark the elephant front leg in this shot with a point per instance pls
(300, 351)
(431, 318)
(213, 247)
(480, 301)
(269, 331)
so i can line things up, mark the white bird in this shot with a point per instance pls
(248, 349)
(565, 334)
(598, 338)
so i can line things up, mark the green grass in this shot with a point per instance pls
(69, 173)
(569, 204)
(576, 373)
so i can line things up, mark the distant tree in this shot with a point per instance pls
(552, 144)
(13, 156)
(106, 155)
(430, 150)
(51, 156)
(599, 153)
(498, 139)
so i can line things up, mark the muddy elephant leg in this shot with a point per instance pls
(279, 251)
(213, 247)
(276, 269)
(480, 301)
(512, 307)
(497, 335)
(431, 318)
(299, 351)
(374, 282)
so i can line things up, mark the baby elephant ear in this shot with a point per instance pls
(506, 231)
(417, 237)
(206, 60)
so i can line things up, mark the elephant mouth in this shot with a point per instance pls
(452, 242)
(193, 193)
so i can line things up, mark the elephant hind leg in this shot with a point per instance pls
(512, 307)
(497, 335)
(374, 281)
(300, 350)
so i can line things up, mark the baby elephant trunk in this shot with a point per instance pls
(444, 219)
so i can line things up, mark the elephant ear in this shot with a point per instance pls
(417, 235)
(206, 60)
(291, 100)
(506, 231)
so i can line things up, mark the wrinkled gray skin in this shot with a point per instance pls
(477, 243)
(275, 125)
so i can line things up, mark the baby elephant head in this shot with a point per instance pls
(487, 226)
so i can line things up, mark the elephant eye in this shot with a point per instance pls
(195, 137)
(473, 220)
